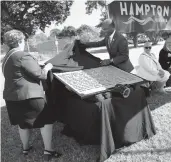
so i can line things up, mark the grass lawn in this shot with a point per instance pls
(155, 149)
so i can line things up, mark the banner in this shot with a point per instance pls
(141, 16)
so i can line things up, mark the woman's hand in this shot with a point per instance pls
(48, 67)
(161, 73)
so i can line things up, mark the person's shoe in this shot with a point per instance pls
(25, 152)
(48, 155)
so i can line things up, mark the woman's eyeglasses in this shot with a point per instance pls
(147, 47)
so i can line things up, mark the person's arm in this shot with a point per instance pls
(123, 52)
(32, 68)
(169, 58)
(148, 64)
(95, 44)
(164, 59)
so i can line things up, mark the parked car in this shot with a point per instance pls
(130, 41)
(142, 38)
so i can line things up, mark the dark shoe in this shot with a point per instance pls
(147, 91)
(48, 155)
(25, 152)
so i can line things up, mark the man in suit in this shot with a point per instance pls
(117, 47)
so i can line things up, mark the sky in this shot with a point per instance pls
(78, 17)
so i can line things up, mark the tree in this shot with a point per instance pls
(27, 16)
(54, 33)
(87, 33)
(93, 5)
(34, 40)
(153, 36)
(68, 32)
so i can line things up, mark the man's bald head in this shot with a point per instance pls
(108, 23)
(108, 26)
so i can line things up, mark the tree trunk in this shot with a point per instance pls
(135, 40)
(155, 39)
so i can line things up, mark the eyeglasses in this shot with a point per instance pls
(147, 47)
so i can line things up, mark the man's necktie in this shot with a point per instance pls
(110, 41)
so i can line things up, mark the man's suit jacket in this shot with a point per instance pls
(164, 59)
(117, 49)
(23, 77)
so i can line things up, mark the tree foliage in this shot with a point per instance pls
(68, 31)
(37, 38)
(87, 33)
(27, 16)
(84, 28)
(94, 5)
(54, 33)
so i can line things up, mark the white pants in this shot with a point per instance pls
(159, 82)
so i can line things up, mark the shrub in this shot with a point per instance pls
(87, 33)
(34, 40)
(68, 32)
(54, 32)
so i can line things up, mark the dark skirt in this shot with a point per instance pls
(30, 113)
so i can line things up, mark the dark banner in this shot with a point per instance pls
(140, 16)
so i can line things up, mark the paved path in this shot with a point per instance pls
(134, 53)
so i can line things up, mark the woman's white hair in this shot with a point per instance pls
(13, 37)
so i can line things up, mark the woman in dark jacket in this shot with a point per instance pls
(24, 95)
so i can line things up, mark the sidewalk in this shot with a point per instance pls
(134, 53)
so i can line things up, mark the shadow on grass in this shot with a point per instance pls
(166, 150)
(11, 149)
(156, 100)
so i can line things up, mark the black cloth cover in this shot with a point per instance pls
(164, 59)
(73, 58)
(112, 123)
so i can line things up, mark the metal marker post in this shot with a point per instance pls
(56, 43)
